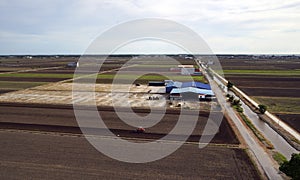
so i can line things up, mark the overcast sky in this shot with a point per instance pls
(228, 26)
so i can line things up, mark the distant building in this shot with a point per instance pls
(188, 57)
(185, 66)
(187, 71)
(73, 64)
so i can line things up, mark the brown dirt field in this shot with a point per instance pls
(36, 62)
(2, 71)
(20, 79)
(271, 92)
(55, 71)
(5, 91)
(61, 118)
(54, 156)
(260, 81)
(266, 85)
(279, 64)
(291, 119)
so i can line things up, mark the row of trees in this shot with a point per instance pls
(290, 168)
(261, 107)
(236, 103)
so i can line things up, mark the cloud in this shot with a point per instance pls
(59, 26)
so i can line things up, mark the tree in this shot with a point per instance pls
(236, 102)
(262, 108)
(292, 167)
(229, 85)
(231, 98)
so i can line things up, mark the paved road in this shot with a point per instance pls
(263, 158)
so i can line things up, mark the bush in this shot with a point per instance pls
(231, 98)
(239, 109)
(229, 85)
(262, 108)
(236, 102)
(292, 168)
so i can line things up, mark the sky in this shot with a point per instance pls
(227, 26)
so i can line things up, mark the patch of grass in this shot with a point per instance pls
(37, 75)
(263, 72)
(150, 77)
(279, 158)
(256, 132)
(295, 140)
(280, 104)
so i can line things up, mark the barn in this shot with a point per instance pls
(191, 93)
(175, 84)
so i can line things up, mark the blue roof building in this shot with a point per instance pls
(192, 90)
(175, 84)
(198, 85)
(191, 93)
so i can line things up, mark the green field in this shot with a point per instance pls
(152, 77)
(280, 104)
(106, 76)
(264, 72)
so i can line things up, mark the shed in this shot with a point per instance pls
(156, 83)
(195, 84)
(73, 64)
(191, 93)
(175, 84)
(187, 71)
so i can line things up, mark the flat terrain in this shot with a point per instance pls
(47, 144)
(274, 82)
(62, 119)
(40, 138)
(53, 156)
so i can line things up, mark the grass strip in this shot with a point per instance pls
(151, 77)
(19, 85)
(279, 158)
(256, 132)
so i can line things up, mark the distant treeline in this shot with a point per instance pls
(224, 56)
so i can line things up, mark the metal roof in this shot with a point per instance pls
(192, 90)
(174, 84)
(196, 84)
(188, 84)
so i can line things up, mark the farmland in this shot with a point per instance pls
(41, 138)
(274, 82)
